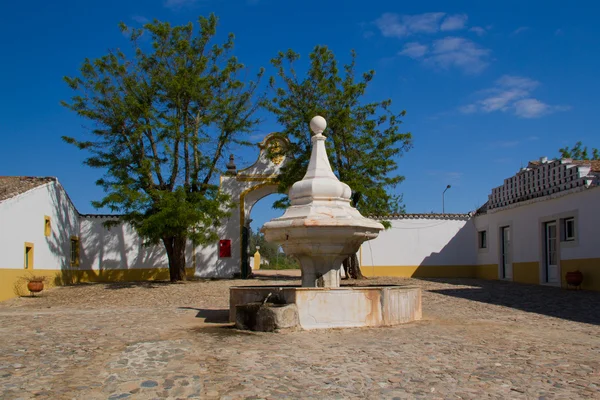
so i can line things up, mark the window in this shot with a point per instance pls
(482, 239)
(74, 251)
(28, 256)
(568, 228)
(47, 226)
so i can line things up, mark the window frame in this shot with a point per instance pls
(28, 256)
(47, 226)
(482, 239)
(74, 251)
(565, 236)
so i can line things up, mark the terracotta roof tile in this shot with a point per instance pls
(422, 216)
(11, 186)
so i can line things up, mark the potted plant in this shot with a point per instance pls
(574, 278)
(35, 284)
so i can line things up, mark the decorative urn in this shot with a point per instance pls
(320, 228)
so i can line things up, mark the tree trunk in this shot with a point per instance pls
(175, 246)
(352, 267)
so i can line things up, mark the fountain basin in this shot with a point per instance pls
(342, 307)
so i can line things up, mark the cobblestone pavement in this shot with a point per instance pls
(478, 339)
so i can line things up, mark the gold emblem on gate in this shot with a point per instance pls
(275, 151)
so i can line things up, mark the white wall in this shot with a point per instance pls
(118, 247)
(526, 222)
(22, 220)
(422, 241)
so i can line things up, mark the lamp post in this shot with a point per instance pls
(443, 205)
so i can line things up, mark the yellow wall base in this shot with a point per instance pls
(486, 271)
(527, 272)
(416, 271)
(14, 284)
(589, 267)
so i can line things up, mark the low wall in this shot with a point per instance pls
(14, 284)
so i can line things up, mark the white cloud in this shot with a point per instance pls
(399, 26)
(178, 4)
(454, 22)
(512, 94)
(520, 29)
(478, 30)
(533, 108)
(450, 52)
(460, 53)
(445, 53)
(414, 50)
(140, 19)
(518, 82)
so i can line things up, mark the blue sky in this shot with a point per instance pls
(486, 86)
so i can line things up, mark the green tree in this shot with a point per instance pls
(364, 138)
(267, 250)
(163, 118)
(579, 152)
(271, 252)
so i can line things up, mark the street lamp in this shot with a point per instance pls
(443, 207)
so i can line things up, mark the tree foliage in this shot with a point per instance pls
(163, 118)
(579, 152)
(271, 252)
(364, 138)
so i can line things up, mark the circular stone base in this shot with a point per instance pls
(345, 307)
(267, 317)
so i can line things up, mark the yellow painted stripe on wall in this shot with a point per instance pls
(13, 283)
(486, 271)
(527, 272)
(589, 267)
(417, 271)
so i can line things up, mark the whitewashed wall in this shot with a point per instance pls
(423, 242)
(22, 220)
(526, 222)
(118, 247)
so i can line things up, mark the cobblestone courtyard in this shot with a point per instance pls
(478, 339)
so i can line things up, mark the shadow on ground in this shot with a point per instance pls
(138, 284)
(573, 305)
(210, 316)
(273, 278)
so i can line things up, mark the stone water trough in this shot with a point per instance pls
(320, 229)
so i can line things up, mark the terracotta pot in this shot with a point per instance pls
(35, 286)
(574, 278)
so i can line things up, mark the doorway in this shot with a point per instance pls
(505, 255)
(551, 252)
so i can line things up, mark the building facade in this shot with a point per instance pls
(540, 224)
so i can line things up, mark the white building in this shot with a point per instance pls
(540, 224)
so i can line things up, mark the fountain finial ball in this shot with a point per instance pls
(318, 124)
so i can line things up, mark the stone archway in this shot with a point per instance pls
(246, 187)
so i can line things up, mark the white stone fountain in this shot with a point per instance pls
(321, 229)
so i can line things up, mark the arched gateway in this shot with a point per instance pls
(246, 187)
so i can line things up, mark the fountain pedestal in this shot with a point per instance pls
(321, 229)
